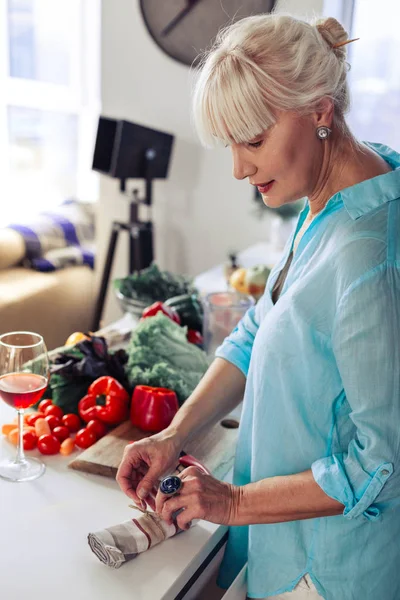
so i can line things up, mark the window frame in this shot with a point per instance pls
(81, 97)
(364, 123)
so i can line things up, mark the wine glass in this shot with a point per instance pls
(24, 375)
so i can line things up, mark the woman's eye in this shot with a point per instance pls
(255, 144)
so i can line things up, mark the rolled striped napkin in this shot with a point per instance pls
(116, 545)
(120, 543)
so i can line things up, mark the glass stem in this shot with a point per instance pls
(20, 449)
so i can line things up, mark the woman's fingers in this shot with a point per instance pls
(170, 507)
(151, 499)
(136, 467)
(185, 518)
(128, 479)
(166, 506)
(133, 467)
(143, 464)
(200, 497)
(161, 498)
(149, 480)
(185, 507)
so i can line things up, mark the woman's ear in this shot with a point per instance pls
(323, 114)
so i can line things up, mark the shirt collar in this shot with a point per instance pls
(363, 197)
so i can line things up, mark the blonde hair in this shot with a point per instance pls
(264, 64)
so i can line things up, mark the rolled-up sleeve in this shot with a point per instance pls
(237, 347)
(366, 344)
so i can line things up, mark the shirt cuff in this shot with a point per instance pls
(234, 354)
(331, 476)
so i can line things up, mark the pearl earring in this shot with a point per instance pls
(323, 132)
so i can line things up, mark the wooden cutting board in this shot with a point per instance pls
(215, 448)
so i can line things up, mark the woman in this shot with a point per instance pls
(313, 503)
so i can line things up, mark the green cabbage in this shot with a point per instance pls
(160, 355)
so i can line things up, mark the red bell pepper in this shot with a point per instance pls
(106, 400)
(153, 408)
(157, 307)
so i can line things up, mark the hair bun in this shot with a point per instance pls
(333, 33)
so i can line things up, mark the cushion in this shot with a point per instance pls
(12, 248)
(64, 257)
(49, 237)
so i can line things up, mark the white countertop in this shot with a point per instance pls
(43, 536)
(44, 524)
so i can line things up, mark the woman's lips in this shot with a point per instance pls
(265, 187)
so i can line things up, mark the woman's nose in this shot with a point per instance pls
(241, 167)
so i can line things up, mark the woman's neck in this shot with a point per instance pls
(345, 162)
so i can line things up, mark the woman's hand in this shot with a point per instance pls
(201, 497)
(145, 462)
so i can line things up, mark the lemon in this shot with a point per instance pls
(75, 338)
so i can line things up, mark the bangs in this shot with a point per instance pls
(229, 104)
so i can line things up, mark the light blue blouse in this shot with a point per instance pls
(323, 392)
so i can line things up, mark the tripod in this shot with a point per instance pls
(126, 150)
(140, 245)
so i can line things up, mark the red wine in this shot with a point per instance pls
(21, 390)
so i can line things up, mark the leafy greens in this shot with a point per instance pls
(160, 355)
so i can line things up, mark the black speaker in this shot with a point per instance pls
(126, 150)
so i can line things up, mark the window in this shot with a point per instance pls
(374, 76)
(375, 72)
(49, 71)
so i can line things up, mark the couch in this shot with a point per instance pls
(54, 304)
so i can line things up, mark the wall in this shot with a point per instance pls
(200, 213)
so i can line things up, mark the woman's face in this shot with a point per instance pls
(284, 162)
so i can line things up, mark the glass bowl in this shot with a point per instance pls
(130, 305)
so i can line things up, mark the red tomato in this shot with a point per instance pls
(48, 444)
(99, 429)
(72, 421)
(85, 438)
(30, 440)
(54, 410)
(30, 419)
(44, 404)
(53, 421)
(61, 432)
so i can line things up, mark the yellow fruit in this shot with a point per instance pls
(238, 280)
(256, 280)
(75, 338)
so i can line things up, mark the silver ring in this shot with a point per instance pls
(171, 485)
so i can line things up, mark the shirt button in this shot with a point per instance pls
(384, 472)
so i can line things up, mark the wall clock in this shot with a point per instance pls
(184, 28)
